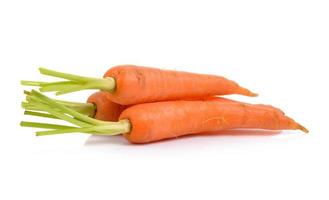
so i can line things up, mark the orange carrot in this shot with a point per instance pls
(161, 120)
(150, 122)
(142, 84)
(129, 84)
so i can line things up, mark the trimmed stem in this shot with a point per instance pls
(44, 125)
(83, 123)
(63, 108)
(55, 111)
(88, 109)
(112, 129)
(32, 83)
(73, 83)
(39, 114)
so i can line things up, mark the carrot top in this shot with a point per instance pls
(32, 107)
(73, 83)
(51, 108)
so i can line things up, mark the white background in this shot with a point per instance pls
(278, 48)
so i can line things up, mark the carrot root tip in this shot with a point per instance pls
(302, 128)
(246, 92)
(252, 94)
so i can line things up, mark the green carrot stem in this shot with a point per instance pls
(71, 89)
(28, 106)
(55, 86)
(112, 129)
(88, 109)
(73, 83)
(66, 117)
(104, 84)
(65, 109)
(32, 83)
(67, 76)
(85, 124)
(44, 125)
(53, 110)
(46, 84)
(39, 114)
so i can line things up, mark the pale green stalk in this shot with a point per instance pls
(73, 83)
(50, 108)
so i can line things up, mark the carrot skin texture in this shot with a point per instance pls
(162, 120)
(106, 110)
(136, 84)
(222, 99)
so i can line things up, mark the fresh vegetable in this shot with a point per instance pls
(152, 122)
(129, 84)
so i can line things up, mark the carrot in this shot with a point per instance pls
(152, 122)
(129, 84)
(157, 121)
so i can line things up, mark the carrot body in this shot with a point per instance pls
(161, 120)
(142, 84)
(105, 109)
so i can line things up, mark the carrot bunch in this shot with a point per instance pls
(149, 104)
